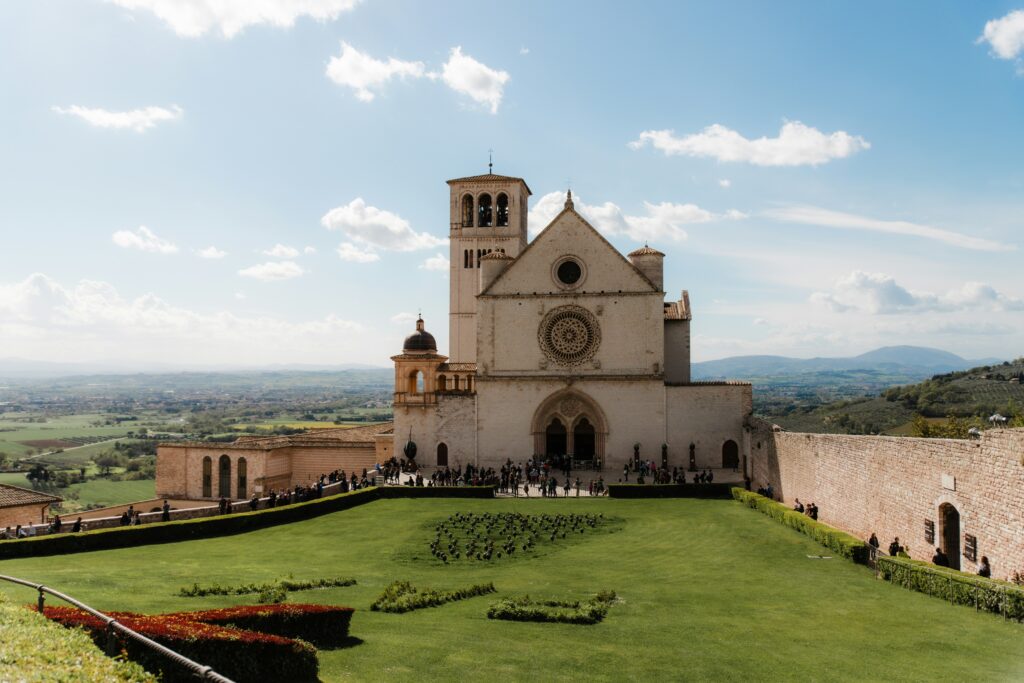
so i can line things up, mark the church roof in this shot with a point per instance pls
(490, 178)
(645, 251)
(420, 340)
(496, 256)
(324, 438)
(13, 496)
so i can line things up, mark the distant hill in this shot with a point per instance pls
(913, 362)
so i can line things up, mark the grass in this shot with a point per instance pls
(15, 479)
(103, 492)
(708, 590)
(14, 430)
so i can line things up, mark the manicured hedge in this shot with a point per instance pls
(223, 525)
(669, 490)
(321, 625)
(34, 649)
(959, 588)
(839, 542)
(286, 585)
(402, 596)
(240, 655)
(553, 611)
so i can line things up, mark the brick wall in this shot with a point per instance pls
(892, 485)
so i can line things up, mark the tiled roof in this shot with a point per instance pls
(645, 251)
(13, 496)
(489, 178)
(315, 437)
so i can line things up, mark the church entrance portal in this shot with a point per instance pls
(949, 529)
(730, 455)
(584, 440)
(556, 439)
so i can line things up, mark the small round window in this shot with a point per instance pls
(569, 272)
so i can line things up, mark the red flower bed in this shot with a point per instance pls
(321, 625)
(236, 653)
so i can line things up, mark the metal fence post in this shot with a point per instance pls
(42, 600)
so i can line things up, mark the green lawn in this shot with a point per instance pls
(14, 430)
(710, 590)
(15, 479)
(103, 492)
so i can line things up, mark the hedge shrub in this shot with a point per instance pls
(839, 542)
(553, 611)
(321, 625)
(222, 525)
(402, 596)
(959, 588)
(669, 490)
(238, 654)
(286, 585)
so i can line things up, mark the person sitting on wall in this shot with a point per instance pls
(56, 524)
(165, 512)
(939, 559)
(5, 535)
(984, 570)
(873, 541)
(125, 519)
(20, 533)
(895, 547)
(798, 506)
(812, 511)
(255, 502)
(77, 526)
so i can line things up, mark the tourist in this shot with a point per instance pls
(812, 511)
(526, 489)
(873, 541)
(5, 535)
(125, 519)
(56, 524)
(224, 505)
(894, 547)
(711, 477)
(578, 487)
(939, 559)
(798, 506)
(165, 512)
(137, 519)
(77, 526)
(984, 569)
(255, 502)
(20, 533)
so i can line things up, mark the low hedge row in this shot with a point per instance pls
(991, 595)
(222, 525)
(236, 653)
(669, 490)
(553, 611)
(287, 585)
(402, 596)
(321, 625)
(839, 542)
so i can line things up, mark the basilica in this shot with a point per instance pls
(560, 348)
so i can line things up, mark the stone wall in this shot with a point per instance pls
(23, 514)
(892, 485)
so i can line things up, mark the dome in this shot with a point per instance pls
(420, 341)
(645, 251)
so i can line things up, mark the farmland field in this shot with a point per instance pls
(298, 424)
(17, 435)
(707, 590)
(103, 492)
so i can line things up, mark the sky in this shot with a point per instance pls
(229, 182)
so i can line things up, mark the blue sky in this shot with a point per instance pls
(192, 182)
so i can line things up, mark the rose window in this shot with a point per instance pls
(569, 335)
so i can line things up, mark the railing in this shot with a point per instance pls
(114, 628)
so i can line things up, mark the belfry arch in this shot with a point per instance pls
(585, 425)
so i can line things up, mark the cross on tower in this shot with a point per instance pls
(490, 161)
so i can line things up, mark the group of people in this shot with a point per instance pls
(939, 559)
(811, 510)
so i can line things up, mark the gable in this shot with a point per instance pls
(569, 234)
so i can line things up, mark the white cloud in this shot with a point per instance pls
(404, 318)
(42, 318)
(812, 215)
(364, 74)
(138, 120)
(725, 182)
(272, 271)
(308, 251)
(281, 251)
(663, 221)
(1005, 35)
(350, 252)
(376, 228)
(438, 262)
(760, 321)
(143, 239)
(483, 84)
(193, 18)
(212, 252)
(796, 145)
(524, 50)
(877, 293)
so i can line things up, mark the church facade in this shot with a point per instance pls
(560, 347)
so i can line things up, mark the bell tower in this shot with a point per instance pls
(488, 213)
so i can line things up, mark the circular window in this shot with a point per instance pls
(569, 272)
(569, 335)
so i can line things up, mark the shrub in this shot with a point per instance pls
(402, 596)
(991, 595)
(668, 490)
(321, 625)
(839, 542)
(238, 654)
(286, 585)
(553, 611)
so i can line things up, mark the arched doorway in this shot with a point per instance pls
(730, 455)
(584, 438)
(949, 533)
(442, 455)
(224, 480)
(207, 477)
(556, 441)
(243, 484)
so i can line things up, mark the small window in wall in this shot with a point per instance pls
(442, 455)
(419, 383)
(243, 473)
(929, 532)
(467, 211)
(484, 211)
(502, 209)
(207, 477)
(442, 383)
